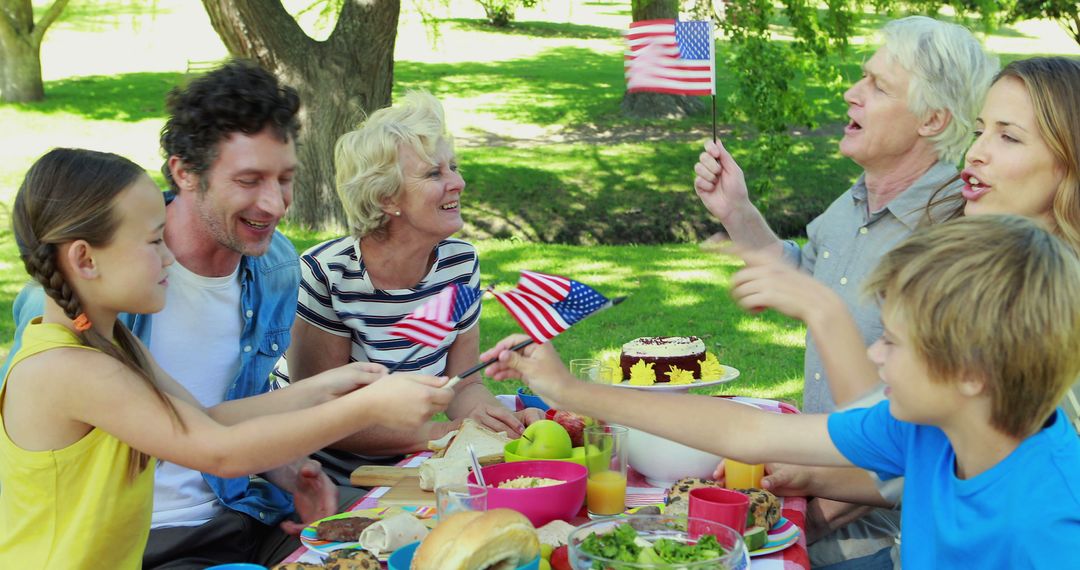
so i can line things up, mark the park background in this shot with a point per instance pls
(558, 179)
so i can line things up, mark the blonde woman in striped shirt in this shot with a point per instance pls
(398, 180)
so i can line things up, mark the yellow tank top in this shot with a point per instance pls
(71, 507)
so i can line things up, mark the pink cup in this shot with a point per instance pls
(723, 506)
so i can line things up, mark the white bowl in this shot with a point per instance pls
(663, 461)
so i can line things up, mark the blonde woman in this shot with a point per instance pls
(398, 180)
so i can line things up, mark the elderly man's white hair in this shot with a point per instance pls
(949, 71)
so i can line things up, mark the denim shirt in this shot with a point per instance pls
(268, 292)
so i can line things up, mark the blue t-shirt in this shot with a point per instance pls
(1023, 512)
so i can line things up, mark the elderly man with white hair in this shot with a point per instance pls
(911, 117)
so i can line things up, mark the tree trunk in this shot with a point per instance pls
(657, 105)
(653, 9)
(20, 49)
(339, 80)
(20, 79)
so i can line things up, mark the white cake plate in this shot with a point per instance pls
(728, 375)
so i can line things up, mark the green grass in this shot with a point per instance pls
(671, 290)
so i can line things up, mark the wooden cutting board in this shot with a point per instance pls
(407, 492)
(381, 475)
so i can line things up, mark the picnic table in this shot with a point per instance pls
(638, 493)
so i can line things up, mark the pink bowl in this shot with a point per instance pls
(540, 504)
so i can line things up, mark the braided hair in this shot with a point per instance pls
(67, 195)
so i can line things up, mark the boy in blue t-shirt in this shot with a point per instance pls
(982, 329)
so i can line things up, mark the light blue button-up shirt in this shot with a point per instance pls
(845, 244)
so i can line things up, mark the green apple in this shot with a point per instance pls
(545, 439)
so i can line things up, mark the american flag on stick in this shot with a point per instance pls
(668, 56)
(433, 321)
(546, 305)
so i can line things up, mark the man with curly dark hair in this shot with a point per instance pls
(230, 156)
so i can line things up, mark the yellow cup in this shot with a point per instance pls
(742, 475)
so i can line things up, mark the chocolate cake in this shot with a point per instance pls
(665, 353)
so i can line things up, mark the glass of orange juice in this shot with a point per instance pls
(738, 475)
(606, 485)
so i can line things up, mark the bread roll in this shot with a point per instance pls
(501, 538)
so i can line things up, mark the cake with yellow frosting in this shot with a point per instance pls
(670, 358)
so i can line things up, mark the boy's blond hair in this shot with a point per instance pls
(366, 160)
(995, 298)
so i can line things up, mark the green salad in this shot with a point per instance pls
(624, 545)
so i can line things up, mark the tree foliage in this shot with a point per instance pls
(1064, 12)
(501, 12)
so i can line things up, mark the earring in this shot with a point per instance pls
(397, 213)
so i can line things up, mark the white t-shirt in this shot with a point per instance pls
(196, 340)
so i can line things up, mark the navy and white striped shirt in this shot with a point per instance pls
(337, 296)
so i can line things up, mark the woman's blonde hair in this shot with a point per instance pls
(70, 194)
(949, 71)
(366, 159)
(1053, 84)
(992, 297)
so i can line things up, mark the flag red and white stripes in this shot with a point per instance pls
(433, 321)
(546, 305)
(668, 56)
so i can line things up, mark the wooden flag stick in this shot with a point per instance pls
(714, 117)
(407, 358)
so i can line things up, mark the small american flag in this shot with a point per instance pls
(546, 305)
(433, 321)
(668, 56)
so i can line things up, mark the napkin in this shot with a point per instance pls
(392, 533)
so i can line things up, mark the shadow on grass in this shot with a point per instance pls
(537, 29)
(559, 86)
(124, 97)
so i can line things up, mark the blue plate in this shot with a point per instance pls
(401, 559)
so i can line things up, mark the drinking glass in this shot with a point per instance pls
(450, 499)
(606, 453)
(587, 369)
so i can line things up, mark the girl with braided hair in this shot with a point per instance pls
(84, 409)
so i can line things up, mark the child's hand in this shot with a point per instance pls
(406, 401)
(538, 365)
(339, 381)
